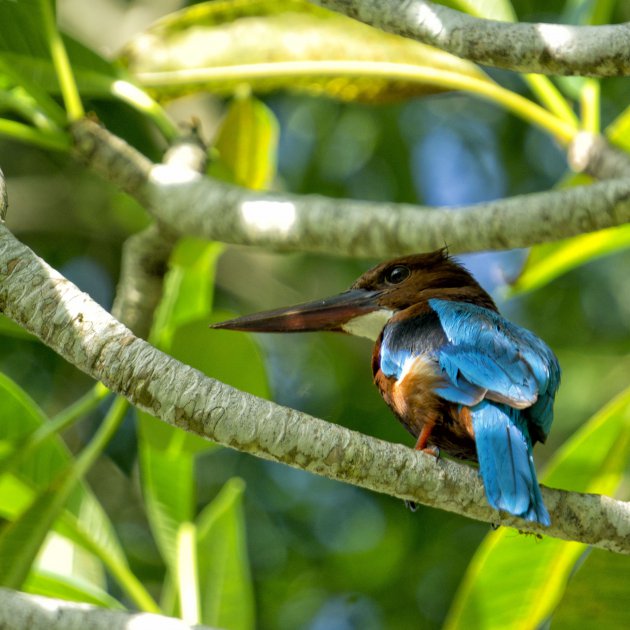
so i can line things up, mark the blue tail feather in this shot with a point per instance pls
(506, 462)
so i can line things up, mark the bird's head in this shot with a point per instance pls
(373, 299)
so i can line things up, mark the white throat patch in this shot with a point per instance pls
(369, 325)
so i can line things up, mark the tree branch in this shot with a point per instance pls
(21, 611)
(597, 51)
(45, 303)
(200, 206)
(145, 254)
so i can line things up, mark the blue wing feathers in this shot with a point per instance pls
(506, 462)
(502, 357)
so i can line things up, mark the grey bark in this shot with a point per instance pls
(195, 205)
(597, 51)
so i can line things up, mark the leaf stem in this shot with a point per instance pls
(141, 101)
(590, 105)
(38, 137)
(481, 86)
(61, 62)
(71, 414)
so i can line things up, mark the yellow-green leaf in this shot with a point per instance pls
(247, 143)
(516, 581)
(551, 260)
(270, 45)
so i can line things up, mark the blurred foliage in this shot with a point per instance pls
(219, 537)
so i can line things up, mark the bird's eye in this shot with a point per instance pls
(397, 274)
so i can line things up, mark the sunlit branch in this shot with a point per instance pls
(598, 51)
(200, 206)
(48, 305)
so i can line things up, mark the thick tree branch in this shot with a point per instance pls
(21, 611)
(200, 206)
(598, 51)
(42, 301)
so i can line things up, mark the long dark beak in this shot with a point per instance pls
(327, 314)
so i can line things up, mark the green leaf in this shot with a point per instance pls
(270, 45)
(517, 581)
(188, 288)
(168, 487)
(593, 596)
(247, 143)
(70, 589)
(225, 582)
(550, 260)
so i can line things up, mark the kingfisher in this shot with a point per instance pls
(460, 377)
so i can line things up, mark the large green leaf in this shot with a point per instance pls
(227, 599)
(168, 487)
(593, 596)
(288, 44)
(516, 581)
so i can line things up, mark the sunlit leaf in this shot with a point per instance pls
(516, 581)
(552, 260)
(271, 45)
(247, 143)
(225, 582)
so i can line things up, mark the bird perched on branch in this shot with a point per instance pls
(460, 377)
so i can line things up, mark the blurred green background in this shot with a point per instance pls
(323, 555)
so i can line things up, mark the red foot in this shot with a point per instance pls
(423, 438)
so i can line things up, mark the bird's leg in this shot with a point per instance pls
(423, 439)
